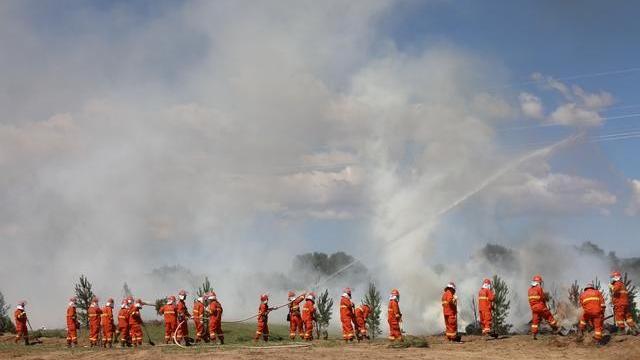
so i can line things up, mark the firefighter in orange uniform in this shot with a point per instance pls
(123, 324)
(620, 301)
(107, 323)
(593, 307)
(362, 313)
(309, 315)
(294, 317)
(183, 316)
(485, 304)
(72, 323)
(94, 313)
(450, 312)
(215, 318)
(346, 315)
(20, 319)
(135, 323)
(539, 309)
(198, 317)
(263, 319)
(394, 316)
(170, 318)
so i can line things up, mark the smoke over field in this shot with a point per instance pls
(228, 137)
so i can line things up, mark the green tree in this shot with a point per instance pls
(574, 294)
(6, 325)
(126, 291)
(84, 294)
(632, 291)
(323, 314)
(203, 289)
(473, 328)
(159, 303)
(501, 306)
(374, 300)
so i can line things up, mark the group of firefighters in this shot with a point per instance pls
(302, 316)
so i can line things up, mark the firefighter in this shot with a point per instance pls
(394, 316)
(215, 318)
(485, 304)
(362, 313)
(309, 315)
(72, 323)
(170, 318)
(20, 318)
(593, 307)
(183, 316)
(198, 317)
(450, 312)
(346, 315)
(135, 323)
(263, 319)
(620, 301)
(94, 314)
(294, 317)
(106, 319)
(123, 324)
(539, 309)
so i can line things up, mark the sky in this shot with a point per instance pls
(230, 136)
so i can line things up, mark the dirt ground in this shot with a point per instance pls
(514, 347)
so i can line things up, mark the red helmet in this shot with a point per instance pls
(589, 286)
(486, 281)
(129, 299)
(616, 274)
(311, 296)
(22, 303)
(537, 278)
(110, 300)
(451, 285)
(182, 292)
(264, 297)
(171, 298)
(395, 292)
(347, 291)
(291, 293)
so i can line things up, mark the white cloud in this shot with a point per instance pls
(572, 114)
(634, 203)
(531, 106)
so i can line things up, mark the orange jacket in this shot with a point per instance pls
(346, 309)
(449, 303)
(393, 312)
(182, 311)
(107, 316)
(309, 311)
(72, 318)
(263, 312)
(169, 312)
(537, 299)
(619, 295)
(485, 299)
(294, 306)
(94, 315)
(215, 310)
(592, 302)
(123, 318)
(198, 311)
(134, 316)
(20, 317)
(362, 313)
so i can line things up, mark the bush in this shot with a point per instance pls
(500, 307)
(374, 300)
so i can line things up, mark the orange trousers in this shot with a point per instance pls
(183, 331)
(72, 333)
(107, 333)
(621, 314)
(215, 329)
(94, 332)
(199, 329)
(451, 324)
(485, 321)
(308, 329)
(169, 330)
(136, 334)
(263, 330)
(596, 319)
(21, 332)
(537, 315)
(362, 327)
(296, 326)
(394, 330)
(347, 329)
(124, 333)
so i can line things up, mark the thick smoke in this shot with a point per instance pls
(211, 134)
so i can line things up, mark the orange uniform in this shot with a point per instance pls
(94, 323)
(593, 306)
(215, 320)
(295, 317)
(450, 312)
(72, 324)
(135, 324)
(620, 300)
(183, 315)
(107, 325)
(485, 303)
(198, 318)
(308, 317)
(20, 319)
(347, 316)
(123, 323)
(539, 309)
(362, 313)
(170, 321)
(394, 318)
(263, 320)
